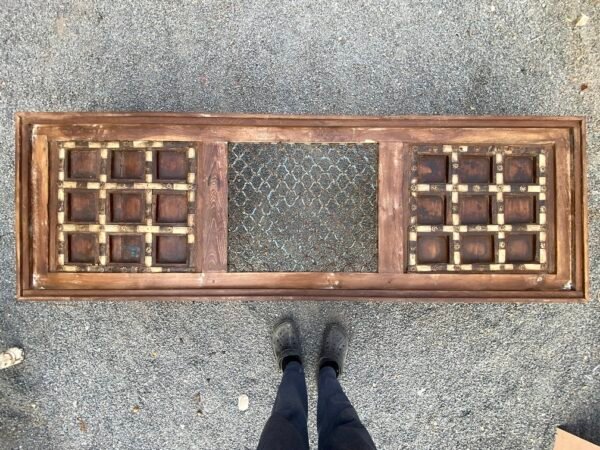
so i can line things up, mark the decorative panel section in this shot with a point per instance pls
(478, 208)
(125, 206)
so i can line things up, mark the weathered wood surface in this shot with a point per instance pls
(120, 230)
(392, 224)
(214, 213)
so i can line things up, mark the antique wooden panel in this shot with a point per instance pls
(123, 206)
(188, 206)
(480, 208)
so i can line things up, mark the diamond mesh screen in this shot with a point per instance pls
(302, 208)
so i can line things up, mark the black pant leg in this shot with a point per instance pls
(337, 421)
(286, 429)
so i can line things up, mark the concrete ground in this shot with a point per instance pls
(168, 375)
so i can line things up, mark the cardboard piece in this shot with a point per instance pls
(568, 441)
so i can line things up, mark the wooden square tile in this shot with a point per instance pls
(431, 210)
(171, 165)
(477, 249)
(519, 169)
(432, 168)
(474, 209)
(126, 248)
(170, 249)
(82, 248)
(474, 169)
(171, 208)
(520, 248)
(82, 206)
(127, 165)
(519, 209)
(432, 249)
(126, 207)
(82, 164)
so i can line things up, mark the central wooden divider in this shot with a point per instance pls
(391, 217)
(214, 207)
(137, 206)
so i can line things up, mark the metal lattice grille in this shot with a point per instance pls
(302, 208)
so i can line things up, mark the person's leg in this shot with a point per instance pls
(337, 421)
(286, 429)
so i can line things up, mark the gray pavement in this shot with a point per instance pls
(167, 375)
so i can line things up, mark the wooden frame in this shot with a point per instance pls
(564, 280)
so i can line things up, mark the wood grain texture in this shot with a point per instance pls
(567, 279)
(209, 294)
(234, 119)
(391, 185)
(300, 134)
(303, 280)
(578, 141)
(564, 226)
(21, 217)
(52, 206)
(214, 211)
(39, 213)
